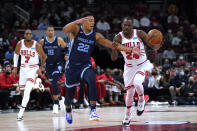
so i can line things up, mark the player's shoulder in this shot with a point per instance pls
(118, 37)
(59, 38)
(119, 34)
(41, 42)
(139, 31)
(19, 43)
(37, 44)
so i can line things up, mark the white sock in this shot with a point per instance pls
(128, 111)
(129, 97)
(20, 114)
(138, 80)
(141, 98)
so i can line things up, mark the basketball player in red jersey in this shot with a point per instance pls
(136, 65)
(30, 52)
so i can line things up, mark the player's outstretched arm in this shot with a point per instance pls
(73, 27)
(114, 53)
(41, 53)
(61, 42)
(107, 43)
(145, 38)
(16, 56)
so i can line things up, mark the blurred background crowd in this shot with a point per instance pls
(173, 80)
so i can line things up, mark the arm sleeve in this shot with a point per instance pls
(15, 60)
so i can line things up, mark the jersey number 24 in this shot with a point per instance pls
(129, 56)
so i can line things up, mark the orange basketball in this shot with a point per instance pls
(155, 37)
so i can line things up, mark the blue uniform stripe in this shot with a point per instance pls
(51, 41)
(84, 31)
(73, 85)
(55, 72)
(82, 73)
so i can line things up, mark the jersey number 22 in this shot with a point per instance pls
(83, 47)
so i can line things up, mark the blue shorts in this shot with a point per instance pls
(74, 73)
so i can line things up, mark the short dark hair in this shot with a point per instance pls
(127, 18)
(28, 30)
(87, 14)
(49, 26)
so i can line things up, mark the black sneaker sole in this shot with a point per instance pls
(126, 124)
(139, 113)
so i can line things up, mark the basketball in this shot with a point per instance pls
(155, 37)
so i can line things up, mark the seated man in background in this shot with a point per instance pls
(6, 82)
(187, 93)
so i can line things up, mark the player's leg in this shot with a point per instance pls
(27, 75)
(26, 96)
(70, 93)
(138, 84)
(129, 102)
(81, 92)
(90, 77)
(56, 91)
(72, 76)
(53, 73)
(22, 83)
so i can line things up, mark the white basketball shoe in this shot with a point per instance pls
(61, 103)
(55, 109)
(140, 107)
(127, 119)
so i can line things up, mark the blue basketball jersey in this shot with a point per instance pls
(81, 47)
(53, 51)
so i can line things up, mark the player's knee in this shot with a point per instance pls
(137, 82)
(90, 77)
(131, 91)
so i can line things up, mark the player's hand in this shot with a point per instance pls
(17, 89)
(136, 52)
(15, 85)
(156, 47)
(115, 44)
(39, 72)
(14, 72)
(105, 81)
(82, 20)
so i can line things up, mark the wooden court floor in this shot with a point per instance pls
(155, 118)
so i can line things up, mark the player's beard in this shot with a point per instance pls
(127, 33)
(28, 40)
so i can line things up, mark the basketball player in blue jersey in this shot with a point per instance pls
(78, 65)
(53, 47)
